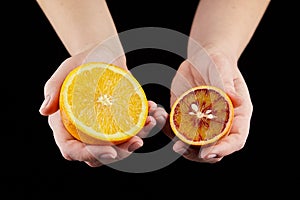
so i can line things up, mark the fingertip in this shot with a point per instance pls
(43, 108)
(215, 150)
(179, 146)
(100, 152)
(236, 98)
(49, 105)
(160, 115)
(151, 106)
(161, 111)
(150, 123)
(213, 155)
(135, 145)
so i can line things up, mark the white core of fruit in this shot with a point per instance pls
(105, 100)
(200, 114)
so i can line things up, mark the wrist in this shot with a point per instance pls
(215, 52)
(109, 51)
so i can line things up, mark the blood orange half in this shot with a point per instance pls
(202, 115)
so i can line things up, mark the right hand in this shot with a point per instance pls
(74, 150)
(214, 68)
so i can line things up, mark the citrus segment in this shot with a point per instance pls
(102, 104)
(202, 115)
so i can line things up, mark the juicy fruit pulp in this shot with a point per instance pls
(201, 115)
(102, 104)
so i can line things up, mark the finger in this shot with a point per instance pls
(52, 87)
(161, 116)
(59, 132)
(240, 129)
(242, 117)
(50, 103)
(167, 130)
(186, 151)
(241, 124)
(125, 149)
(151, 106)
(192, 153)
(94, 164)
(96, 155)
(225, 146)
(160, 112)
(72, 149)
(240, 95)
(180, 147)
(241, 98)
(149, 125)
(231, 143)
(122, 151)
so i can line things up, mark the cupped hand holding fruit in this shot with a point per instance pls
(216, 70)
(73, 148)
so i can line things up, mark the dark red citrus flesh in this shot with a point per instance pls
(201, 115)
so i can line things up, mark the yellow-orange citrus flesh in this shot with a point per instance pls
(102, 104)
(202, 115)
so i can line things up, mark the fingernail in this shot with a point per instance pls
(106, 156)
(134, 146)
(211, 156)
(183, 151)
(45, 102)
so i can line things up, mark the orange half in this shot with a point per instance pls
(202, 115)
(101, 103)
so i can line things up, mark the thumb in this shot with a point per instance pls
(52, 88)
(51, 93)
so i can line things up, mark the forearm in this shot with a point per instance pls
(80, 24)
(226, 24)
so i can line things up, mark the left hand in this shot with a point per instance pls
(217, 70)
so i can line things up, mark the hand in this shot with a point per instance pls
(72, 149)
(214, 68)
(97, 155)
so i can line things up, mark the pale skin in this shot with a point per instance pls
(71, 19)
(222, 28)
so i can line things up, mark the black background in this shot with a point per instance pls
(32, 165)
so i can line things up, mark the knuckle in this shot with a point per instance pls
(240, 145)
(66, 156)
